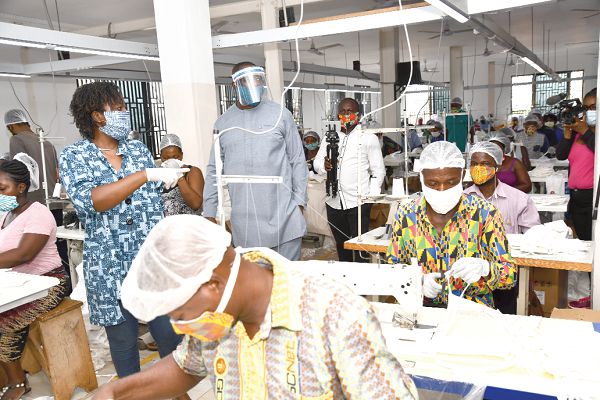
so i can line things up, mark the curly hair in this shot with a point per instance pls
(16, 171)
(89, 98)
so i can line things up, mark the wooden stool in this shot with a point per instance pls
(58, 344)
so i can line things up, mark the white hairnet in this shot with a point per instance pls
(535, 111)
(441, 155)
(532, 118)
(503, 139)
(456, 100)
(436, 124)
(14, 116)
(178, 256)
(170, 139)
(489, 148)
(32, 167)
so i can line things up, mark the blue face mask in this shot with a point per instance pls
(8, 203)
(250, 96)
(311, 146)
(118, 124)
(590, 117)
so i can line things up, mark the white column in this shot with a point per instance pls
(491, 87)
(186, 66)
(596, 225)
(457, 87)
(273, 65)
(388, 56)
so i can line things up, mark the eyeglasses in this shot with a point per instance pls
(590, 107)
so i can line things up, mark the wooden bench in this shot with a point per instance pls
(58, 345)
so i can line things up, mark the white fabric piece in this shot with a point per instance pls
(172, 163)
(178, 256)
(168, 176)
(430, 287)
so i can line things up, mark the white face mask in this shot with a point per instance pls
(590, 117)
(442, 201)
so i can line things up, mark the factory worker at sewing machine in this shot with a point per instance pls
(458, 239)
(256, 327)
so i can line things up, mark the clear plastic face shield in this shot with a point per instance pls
(250, 84)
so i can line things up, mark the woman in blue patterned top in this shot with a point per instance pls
(116, 190)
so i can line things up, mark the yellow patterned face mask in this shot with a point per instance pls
(481, 174)
(211, 326)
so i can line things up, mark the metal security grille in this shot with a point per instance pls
(227, 97)
(530, 91)
(293, 102)
(145, 103)
(439, 99)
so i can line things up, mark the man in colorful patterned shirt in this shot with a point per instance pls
(258, 328)
(457, 238)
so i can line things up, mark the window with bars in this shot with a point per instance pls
(529, 91)
(145, 103)
(423, 101)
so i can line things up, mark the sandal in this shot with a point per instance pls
(6, 389)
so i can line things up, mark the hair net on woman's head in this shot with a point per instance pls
(503, 140)
(170, 139)
(532, 118)
(441, 155)
(436, 124)
(15, 116)
(313, 134)
(32, 167)
(489, 148)
(456, 100)
(178, 256)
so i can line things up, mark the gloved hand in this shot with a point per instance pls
(470, 269)
(172, 163)
(168, 176)
(431, 289)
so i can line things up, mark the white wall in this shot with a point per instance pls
(47, 103)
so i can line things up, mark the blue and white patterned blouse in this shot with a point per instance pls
(113, 237)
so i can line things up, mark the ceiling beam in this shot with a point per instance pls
(55, 40)
(73, 64)
(331, 26)
(119, 27)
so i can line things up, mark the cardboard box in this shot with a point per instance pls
(577, 314)
(550, 286)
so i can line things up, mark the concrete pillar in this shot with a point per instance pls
(186, 66)
(492, 88)
(389, 56)
(457, 86)
(273, 66)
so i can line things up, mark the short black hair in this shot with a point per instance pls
(241, 65)
(591, 93)
(89, 98)
(16, 171)
(551, 116)
(349, 99)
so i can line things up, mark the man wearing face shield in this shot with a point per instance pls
(578, 146)
(253, 325)
(517, 209)
(342, 208)
(268, 215)
(457, 238)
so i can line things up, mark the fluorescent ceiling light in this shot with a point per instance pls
(14, 75)
(449, 10)
(534, 65)
(105, 53)
(24, 44)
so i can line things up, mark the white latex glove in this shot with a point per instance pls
(431, 289)
(168, 176)
(172, 163)
(470, 269)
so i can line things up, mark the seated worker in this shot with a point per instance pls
(311, 142)
(551, 123)
(256, 327)
(545, 130)
(511, 170)
(186, 196)
(452, 233)
(413, 140)
(28, 245)
(517, 209)
(515, 124)
(436, 133)
(532, 139)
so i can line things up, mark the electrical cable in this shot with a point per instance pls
(501, 86)
(57, 15)
(434, 68)
(55, 92)
(48, 15)
(21, 103)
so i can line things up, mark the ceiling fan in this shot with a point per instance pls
(446, 31)
(487, 52)
(594, 11)
(319, 50)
